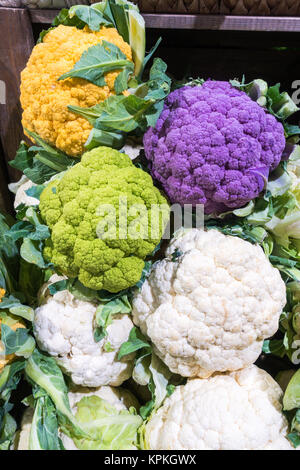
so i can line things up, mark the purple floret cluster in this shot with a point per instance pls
(213, 145)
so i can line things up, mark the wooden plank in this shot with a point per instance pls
(198, 22)
(16, 42)
(5, 196)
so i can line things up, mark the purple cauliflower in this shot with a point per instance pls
(213, 145)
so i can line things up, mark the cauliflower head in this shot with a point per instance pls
(213, 145)
(72, 208)
(211, 308)
(64, 328)
(45, 100)
(121, 399)
(235, 411)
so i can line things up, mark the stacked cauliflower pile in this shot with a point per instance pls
(207, 308)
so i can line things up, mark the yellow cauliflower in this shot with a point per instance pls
(45, 100)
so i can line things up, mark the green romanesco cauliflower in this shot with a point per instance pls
(75, 207)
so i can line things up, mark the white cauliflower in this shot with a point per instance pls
(19, 189)
(64, 327)
(120, 398)
(210, 304)
(235, 411)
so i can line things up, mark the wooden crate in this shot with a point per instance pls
(216, 46)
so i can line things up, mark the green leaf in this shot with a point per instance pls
(64, 18)
(81, 292)
(123, 113)
(44, 427)
(98, 138)
(90, 114)
(31, 228)
(145, 274)
(121, 82)
(9, 256)
(7, 431)
(90, 16)
(109, 428)
(104, 315)
(10, 378)
(160, 376)
(35, 191)
(43, 371)
(17, 342)
(156, 88)
(294, 438)
(58, 286)
(120, 17)
(40, 163)
(136, 341)
(274, 346)
(158, 384)
(150, 55)
(31, 279)
(31, 252)
(291, 399)
(97, 61)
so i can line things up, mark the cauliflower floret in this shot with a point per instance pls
(236, 411)
(210, 309)
(120, 398)
(213, 145)
(64, 328)
(19, 189)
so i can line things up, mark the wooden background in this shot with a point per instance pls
(210, 46)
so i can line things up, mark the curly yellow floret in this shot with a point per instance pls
(45, 100)
(72, 208)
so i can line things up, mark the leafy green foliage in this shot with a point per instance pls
(18, 342)
(44, 372)
(119, 114)
(280, 104)
(97, 61)
(40, 162)
(105, 313)
(136, 342)
(9, 380)
(108, 428)
(9, 256)
(148, 370)
(44, 427)
(8, 427)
